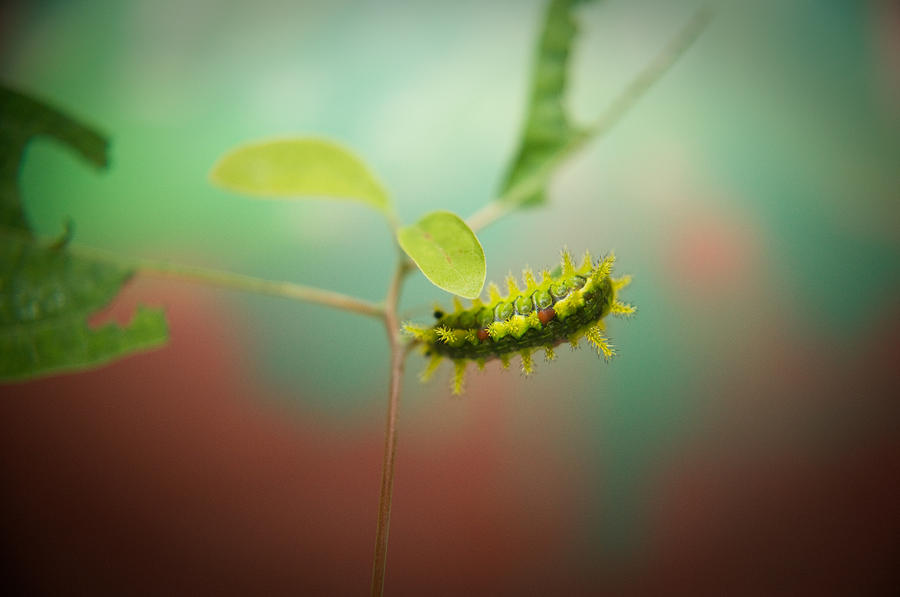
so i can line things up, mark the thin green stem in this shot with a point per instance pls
(489, 214)
(653, 71)
(617, 109)
(398, 358)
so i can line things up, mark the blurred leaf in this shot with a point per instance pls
(46, 293)
(22, 118)
(46, 298)
(296, 168)
(548, 129)
(447, 252)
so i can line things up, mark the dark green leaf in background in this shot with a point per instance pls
(548, 128)
(21, 119)
(47, 294)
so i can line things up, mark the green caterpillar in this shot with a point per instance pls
(561, 308)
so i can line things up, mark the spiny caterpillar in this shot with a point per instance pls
(562, 308)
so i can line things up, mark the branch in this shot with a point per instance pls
(225, 279)
(620, 106)
(299, 292)
(653, 72)
(398, 358)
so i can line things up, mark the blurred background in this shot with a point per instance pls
(743, 442)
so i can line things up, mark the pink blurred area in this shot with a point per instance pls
(790, 483)
(175, 473)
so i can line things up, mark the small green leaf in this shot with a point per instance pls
(299, 167)
(447, 252)
(547, 129)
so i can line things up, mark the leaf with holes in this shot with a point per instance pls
(46, 293)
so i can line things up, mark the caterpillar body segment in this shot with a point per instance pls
(546, 313)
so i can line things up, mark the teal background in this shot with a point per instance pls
(752, 193)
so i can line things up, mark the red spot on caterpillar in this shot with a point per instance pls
(483, 334)
(546, 315)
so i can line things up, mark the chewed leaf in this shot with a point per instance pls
(299, 167)
(47, 294)
(561, 308)
(48, 297)
(447, 252)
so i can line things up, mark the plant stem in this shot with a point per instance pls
(653, 71)
(488, 214)
(225, 279)
(398, 358)
(620, 106)
(290, 290)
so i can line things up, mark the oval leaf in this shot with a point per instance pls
(284, 168)
(447, 252)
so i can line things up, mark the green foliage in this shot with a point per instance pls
(447, 252)
(47, 297)
(291, 168)
(441, 244)
(21, 118)
(548, 130)
(47, 294)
